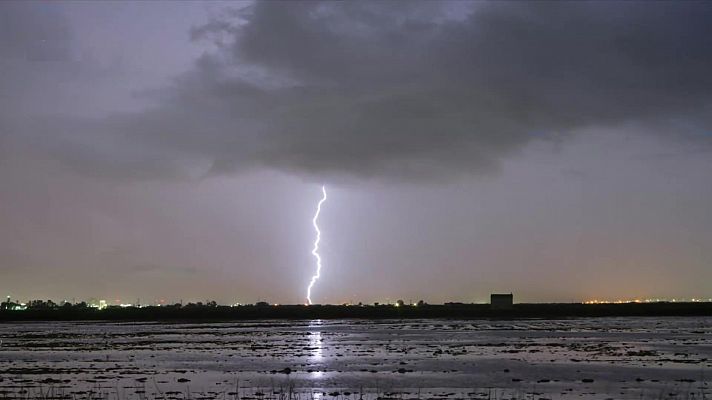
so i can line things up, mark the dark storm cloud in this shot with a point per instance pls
(33, 32)
(403, 90)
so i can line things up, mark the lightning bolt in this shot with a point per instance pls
(315, 250)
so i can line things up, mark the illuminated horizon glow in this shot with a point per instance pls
(315, 250)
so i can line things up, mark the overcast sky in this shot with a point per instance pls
(155, 150)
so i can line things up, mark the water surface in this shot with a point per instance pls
(576, 358)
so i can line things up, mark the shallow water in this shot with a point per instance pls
(577, 358)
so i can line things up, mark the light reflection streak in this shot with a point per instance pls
(316, 348)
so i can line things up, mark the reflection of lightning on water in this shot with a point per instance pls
(315, 251)
(316, 358)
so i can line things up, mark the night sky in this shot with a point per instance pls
(561, 151)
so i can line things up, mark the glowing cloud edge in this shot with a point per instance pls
(315, 250)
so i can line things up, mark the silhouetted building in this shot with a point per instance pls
(501, 301)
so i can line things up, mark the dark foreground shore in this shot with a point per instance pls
(460, 311)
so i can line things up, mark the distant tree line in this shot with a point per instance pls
(10, 305)
(46, 310)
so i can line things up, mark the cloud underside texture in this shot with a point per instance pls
(402, 90)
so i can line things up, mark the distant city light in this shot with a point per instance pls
(652, 300)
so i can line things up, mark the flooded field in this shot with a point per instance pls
(617, 358)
